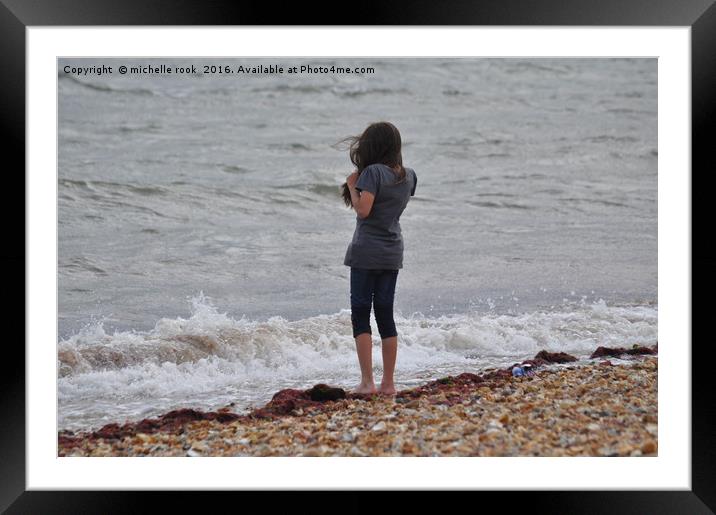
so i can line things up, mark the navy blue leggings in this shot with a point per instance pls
(376, 288)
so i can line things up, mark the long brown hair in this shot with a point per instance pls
(380, 142)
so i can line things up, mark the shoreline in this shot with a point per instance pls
(593, 409)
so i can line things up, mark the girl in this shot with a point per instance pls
(378, 190)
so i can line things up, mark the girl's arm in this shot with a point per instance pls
(362, 201)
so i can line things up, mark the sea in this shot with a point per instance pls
(201, 232)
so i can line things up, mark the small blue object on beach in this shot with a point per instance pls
(517, 372)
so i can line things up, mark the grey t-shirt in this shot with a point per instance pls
(377, 241)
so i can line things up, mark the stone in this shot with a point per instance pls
(649, 447)
(379, 427)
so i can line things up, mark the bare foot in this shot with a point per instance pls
(388, 389)
(365, 388)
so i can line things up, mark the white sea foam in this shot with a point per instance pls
(282, 346)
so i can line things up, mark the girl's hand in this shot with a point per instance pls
(352, 179)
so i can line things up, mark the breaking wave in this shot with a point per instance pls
(283, 345)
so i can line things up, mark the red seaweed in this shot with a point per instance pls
(554, 357)
(615, 352)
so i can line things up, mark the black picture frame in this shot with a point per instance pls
(699, 15)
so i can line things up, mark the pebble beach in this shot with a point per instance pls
(604, 406)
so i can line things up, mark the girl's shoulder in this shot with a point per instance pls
(385, 174)
(385, 168)
(378, 167)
